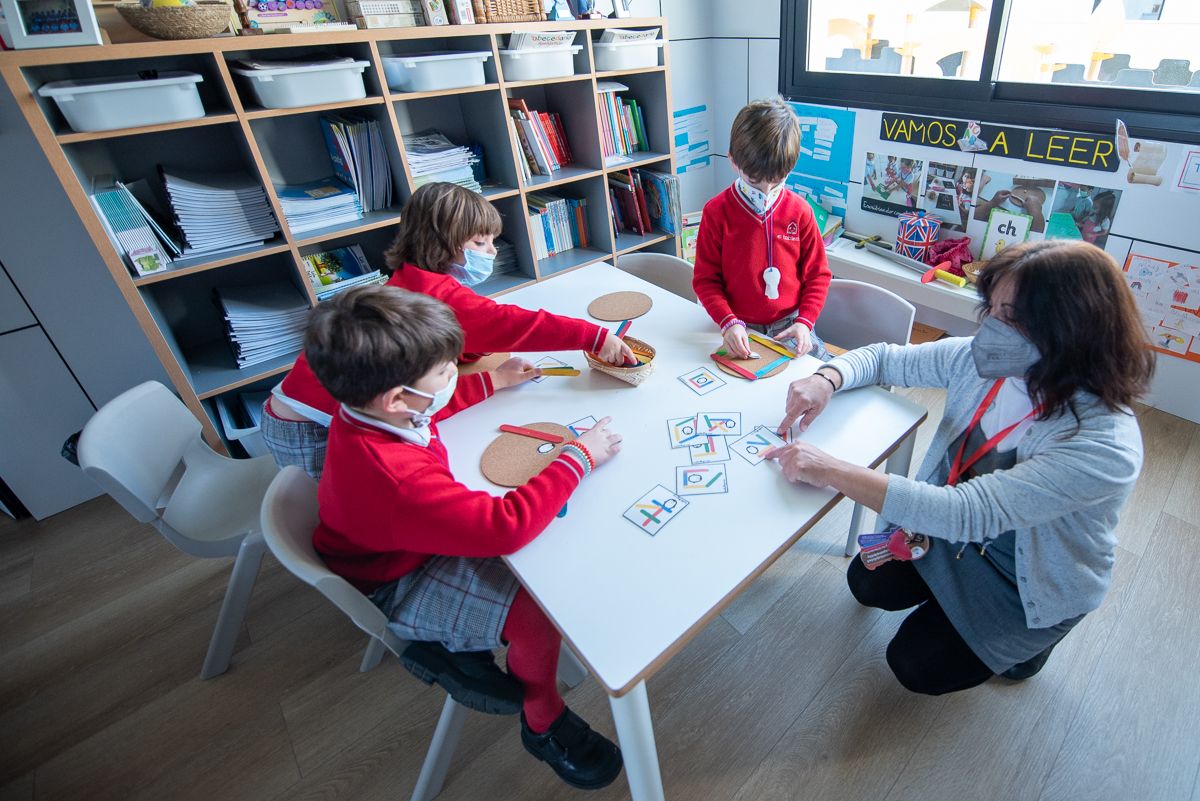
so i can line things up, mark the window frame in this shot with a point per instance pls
(1150, 114)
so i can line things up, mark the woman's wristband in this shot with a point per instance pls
(827, 378)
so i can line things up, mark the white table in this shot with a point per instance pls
(623, 600)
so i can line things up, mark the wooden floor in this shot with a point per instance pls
(103, 627)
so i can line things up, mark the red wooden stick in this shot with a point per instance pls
(529, 432)
(744, 373)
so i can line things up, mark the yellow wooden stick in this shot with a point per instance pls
(772, 344)
(559, 371)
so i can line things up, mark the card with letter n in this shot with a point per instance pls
(751, 446)
(655, 509)
(709, 449)
(702, 479)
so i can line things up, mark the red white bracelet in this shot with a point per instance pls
(577, 445)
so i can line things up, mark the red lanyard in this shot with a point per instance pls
(958, 467)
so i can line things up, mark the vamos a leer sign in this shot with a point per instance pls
(1038, 145)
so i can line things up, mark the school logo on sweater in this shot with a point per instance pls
(792, 234)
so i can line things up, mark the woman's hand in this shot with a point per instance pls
(737, 343)
(803, 462)
(799, 332)
(806, 399)
(615, 351)
(601, 443)
(512, 372)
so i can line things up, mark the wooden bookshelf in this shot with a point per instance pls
(174, 308)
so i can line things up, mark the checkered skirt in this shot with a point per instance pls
(298, 442)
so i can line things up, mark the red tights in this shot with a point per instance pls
(533, 660)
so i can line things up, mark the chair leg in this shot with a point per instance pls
(233, 608)
(856, 521)
(570, 670)
(441, 751)
(372, 656)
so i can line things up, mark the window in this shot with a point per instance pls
(1071, 64)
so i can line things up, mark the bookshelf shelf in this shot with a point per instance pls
(285, 147)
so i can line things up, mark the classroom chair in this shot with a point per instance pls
(289, 515)
(666, 272)
(144, 449)
(858, 314)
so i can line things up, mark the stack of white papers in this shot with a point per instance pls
(355, 146)
(263, 322)
(216, 211)
(433, 157)
(506, 258)
(318, 204)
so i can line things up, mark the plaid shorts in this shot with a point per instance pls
(301, 443)
(773, 329)
(459, 602)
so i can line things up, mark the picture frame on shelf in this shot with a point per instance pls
(50, 23)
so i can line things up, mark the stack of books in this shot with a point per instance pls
(623, 131)
(334, 271)
(433, 157)
(506, 258)
(318, 204)
(263, 322)
(216, 212)
(134, 233)
(359, 158)
(541, 137)
(643, 201)
(560, 221)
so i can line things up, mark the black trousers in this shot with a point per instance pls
(927, 654)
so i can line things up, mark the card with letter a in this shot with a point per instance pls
(655, 509)
(702, 479)
(751, 446)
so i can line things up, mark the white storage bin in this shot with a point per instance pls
(104, 104)
(429, 72)
(612, 56)
(307, 84)
(249, 437)
(534, 64)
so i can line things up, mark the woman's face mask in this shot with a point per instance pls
(1001, 351)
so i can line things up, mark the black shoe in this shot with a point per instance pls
(471, 677)
(581, 757)
(1029, 667)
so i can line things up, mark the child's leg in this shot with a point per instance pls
(533, 660)
(301, 443)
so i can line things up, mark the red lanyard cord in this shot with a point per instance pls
(958, 467)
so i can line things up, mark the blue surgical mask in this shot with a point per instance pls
(1001, 351)
(759, 200)
(476, 269)
(438, 401)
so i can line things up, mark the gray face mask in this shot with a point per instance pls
(1000, 351)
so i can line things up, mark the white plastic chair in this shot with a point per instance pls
(289, 515)
(666, 272)
(858, 314)
(144, 449)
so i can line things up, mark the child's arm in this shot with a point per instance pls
(490, 326)
(470, 390)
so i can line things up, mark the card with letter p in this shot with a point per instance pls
(655, 509)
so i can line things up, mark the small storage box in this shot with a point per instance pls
(307, 84)
(105, 104)
(248, 436)
(537, 63)
(612, 56)
(428, 72)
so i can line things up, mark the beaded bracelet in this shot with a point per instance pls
(731, 324)
(580, 455)
(577, 445)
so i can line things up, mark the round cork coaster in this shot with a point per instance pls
(489, 362)
(513, 459)
(620, 306)
(765, 357)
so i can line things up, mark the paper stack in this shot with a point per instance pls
(263, 322)
(218, 211)
(433, 157)
(506, 258)
(359, 158)
(318, 204)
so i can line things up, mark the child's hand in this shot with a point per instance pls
(615, 351)
(737, 343)
(601, 443)
(799, 332)
(512, 372)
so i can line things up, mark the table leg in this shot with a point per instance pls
(898, 463)
(635, 731)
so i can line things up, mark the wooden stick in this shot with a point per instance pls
(531, 433)
(772, 344)
(743, 372)
(559, 371)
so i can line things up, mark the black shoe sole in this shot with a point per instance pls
(578, 785)
(471, 699)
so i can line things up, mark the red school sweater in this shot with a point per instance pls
(732, 250)
(489, 327)
(387, 504)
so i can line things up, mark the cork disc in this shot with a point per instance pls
(513, 459)
(620, 306)
(765, 357)
(488, 362)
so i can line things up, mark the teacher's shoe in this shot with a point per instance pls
(581, 757)
(470, 677)
(1030, 667)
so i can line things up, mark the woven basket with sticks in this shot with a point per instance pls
(508, 10)
(630, 375)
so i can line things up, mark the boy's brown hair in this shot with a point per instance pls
(764, 141)
(434, 224)
(367, 340)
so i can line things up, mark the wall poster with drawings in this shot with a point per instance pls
(1168, 295)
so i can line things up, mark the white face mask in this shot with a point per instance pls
(438, 401)
(476, 269)
(759, 200)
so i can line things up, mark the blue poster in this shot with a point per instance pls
(831, 195)
(826, 141)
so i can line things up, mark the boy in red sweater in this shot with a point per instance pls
(423, 547)
(443, 247)
(760, 261)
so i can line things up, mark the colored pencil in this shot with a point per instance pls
(529, 432)
(743, 372)
(559, 371)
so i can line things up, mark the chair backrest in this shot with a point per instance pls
(289, 515)
(858, 314)
(134, 446)
(666, 272)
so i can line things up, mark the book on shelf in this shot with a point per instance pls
(131, 235)
(623, 127)
(217, 212)
(264, 321)
(433, 157)
(334, 271)
(622, 35)
(318, 204)
(644, 201)
(541, 136)
(460, 12)
(506, 258)
(558, 223)
(355, 145)
(662, 200)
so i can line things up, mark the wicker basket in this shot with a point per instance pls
(630, 375)
(206, 18)
(971, 270)
(508, 10)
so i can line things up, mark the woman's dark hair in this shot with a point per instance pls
(1071, 301)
